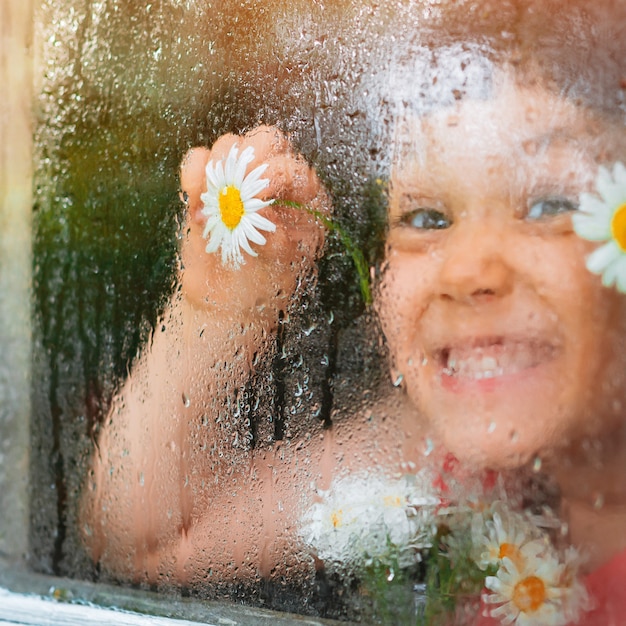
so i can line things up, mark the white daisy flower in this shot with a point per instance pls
(367, 517)
(504, 535)
(604, 219)
(231, 206)
(575, 597)
(538, 594)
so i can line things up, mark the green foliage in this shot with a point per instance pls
(428, 593)
(351, 247)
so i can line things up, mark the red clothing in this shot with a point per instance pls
(607, 590)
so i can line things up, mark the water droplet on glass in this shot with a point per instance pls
(530, 147)
(430, 446)
(537, 464)
(514, 436)
(598, 500)
(491, 427)
(390, 574)
(186, 401)
(398, 378)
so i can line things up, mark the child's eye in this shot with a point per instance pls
(426, 219)
(548, 207)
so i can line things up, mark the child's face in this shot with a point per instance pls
(506, 342)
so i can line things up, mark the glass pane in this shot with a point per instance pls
(329, 305)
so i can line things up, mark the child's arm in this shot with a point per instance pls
(162, 469)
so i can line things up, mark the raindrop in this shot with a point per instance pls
(537, 464)
(491, 428)
(390, 574)
(430, 447)
(514, 436)
(186, 401)
(397, 381)
(598, 500)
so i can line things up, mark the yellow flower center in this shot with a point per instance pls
(335, 518)
(231, 206)
(393, 501)
(618, 226)
(529, 594)
(511, 551)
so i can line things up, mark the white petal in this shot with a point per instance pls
(247, 156)
(253, 183)
(241, 239)
(210, 205)
(493, 583)
(219, 176)
(254, 205)
(252, 233)
(231, 254)
(604, 183)
(216, 239)
(231, 164)
(619, 174)
(590, 203)
(601, 258)
(212, 179)
(261, 222)
(507, 613)
(616, 198)
(251, 190)
(211, 223)
(610, 274)
(257, 172)
(620, 274)
(591, 228)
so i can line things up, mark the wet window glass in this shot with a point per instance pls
(328, 306)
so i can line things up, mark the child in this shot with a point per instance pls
(506, 353)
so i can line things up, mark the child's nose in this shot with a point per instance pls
(474, 264)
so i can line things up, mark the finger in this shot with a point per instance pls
(291, 179)
(267, 142)
(221, 148)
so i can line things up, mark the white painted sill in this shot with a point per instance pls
(29, 599)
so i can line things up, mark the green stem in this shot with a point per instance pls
(351, 248)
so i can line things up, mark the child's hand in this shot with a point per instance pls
(266, 282)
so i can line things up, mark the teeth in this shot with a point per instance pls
(489, 363)
(493, 361)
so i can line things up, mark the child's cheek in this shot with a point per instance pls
(401, 299)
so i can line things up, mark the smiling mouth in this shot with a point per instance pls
(493, 358)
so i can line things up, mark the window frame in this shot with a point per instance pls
(26, 597)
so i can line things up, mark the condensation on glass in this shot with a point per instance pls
(15, 261)
(264, 427)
